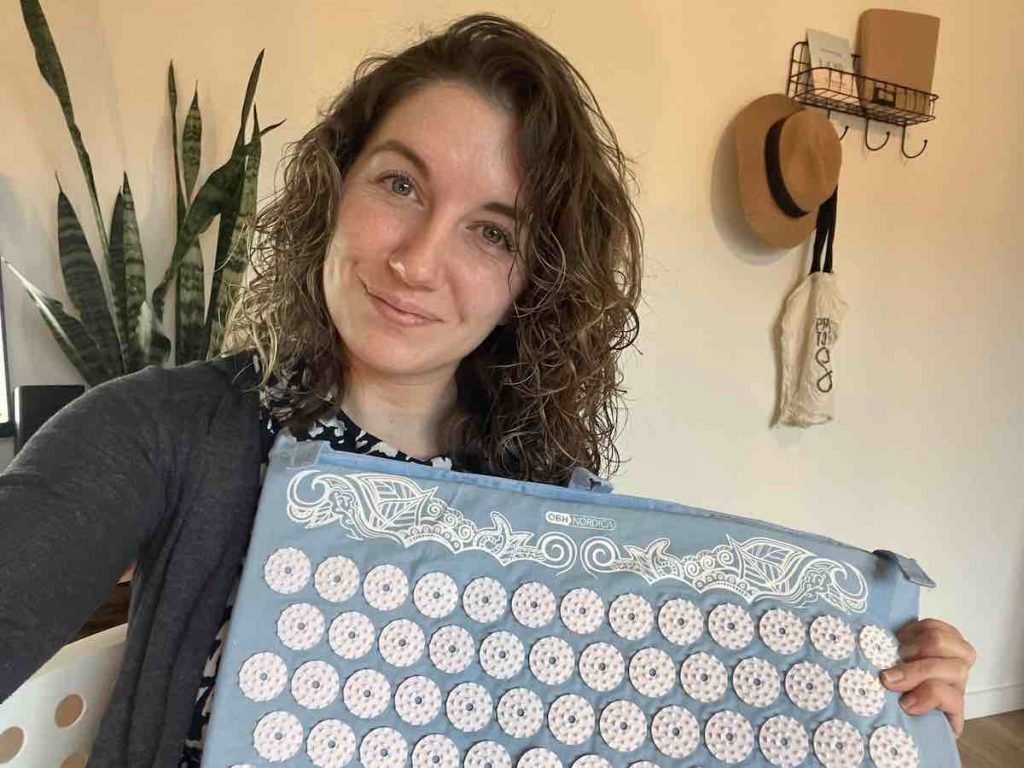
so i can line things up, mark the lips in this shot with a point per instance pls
(408, 308)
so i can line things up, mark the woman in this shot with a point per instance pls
(453, 265)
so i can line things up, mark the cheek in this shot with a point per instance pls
(484, 291)
(332, 285)
(340, 278)
(370, 224)
(336, 262)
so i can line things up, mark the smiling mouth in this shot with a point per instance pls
(393, 312)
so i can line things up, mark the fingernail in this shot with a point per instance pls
(908, 651)
(908, 701)
(893, 675)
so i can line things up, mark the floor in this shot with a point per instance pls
(994, 742)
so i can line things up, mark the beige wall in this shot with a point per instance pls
(925, 456)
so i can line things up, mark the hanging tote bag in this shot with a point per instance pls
(808, 331)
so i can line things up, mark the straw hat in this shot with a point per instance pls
(789, 159)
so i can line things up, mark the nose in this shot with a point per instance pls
(421, 254)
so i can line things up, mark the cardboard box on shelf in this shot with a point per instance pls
(898, 47)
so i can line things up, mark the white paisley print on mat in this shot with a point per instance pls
(373, 506)
(756, 569)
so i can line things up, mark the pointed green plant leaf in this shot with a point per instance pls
(225, 229)
(69, 333)
(250, 94)
(227, 277)
(226, 226)
(219, 193)
(213, 195)
(189, 309)
(190, 145)
(229, 283)
(264, 131)
(116, 279)
(216, 193)
(52, 70)
(153, 342)
(226, 234)
(83, 284)
(172, 94)
(134, 274)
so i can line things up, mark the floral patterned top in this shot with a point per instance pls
(343, 435)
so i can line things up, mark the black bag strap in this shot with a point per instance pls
(825, 234)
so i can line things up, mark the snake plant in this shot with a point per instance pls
(118, 329)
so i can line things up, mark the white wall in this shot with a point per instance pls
(926, 453)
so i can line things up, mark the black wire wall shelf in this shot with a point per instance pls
(854, 94)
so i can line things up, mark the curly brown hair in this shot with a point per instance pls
(541, 394)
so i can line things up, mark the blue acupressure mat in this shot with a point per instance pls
(391, 614)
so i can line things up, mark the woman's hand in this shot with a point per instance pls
(936, 660)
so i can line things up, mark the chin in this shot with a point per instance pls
(390, 354)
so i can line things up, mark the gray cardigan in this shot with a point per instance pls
(160, 468)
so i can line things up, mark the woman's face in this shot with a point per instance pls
(432, 193)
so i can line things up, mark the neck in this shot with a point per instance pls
(406, 413)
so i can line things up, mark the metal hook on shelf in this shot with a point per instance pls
(903, 146)
(846, 128)
(888, 135)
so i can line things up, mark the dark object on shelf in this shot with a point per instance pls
(829, 89)
(35, 403)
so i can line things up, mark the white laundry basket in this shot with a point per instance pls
(51, 720)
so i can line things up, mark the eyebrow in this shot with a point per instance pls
(394, 145)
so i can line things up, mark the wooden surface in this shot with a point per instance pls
(113, 612)
(994, 742)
